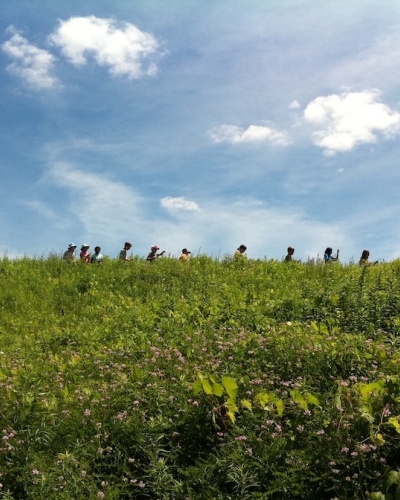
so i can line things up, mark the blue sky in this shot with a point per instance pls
(200, 124)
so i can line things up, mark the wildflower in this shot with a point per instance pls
(241, 438)
(344, 449)
(332, 463)
(86, 413)
(141, 484)
(35, 472)
(386, 411)
(344, 383)
(383, 460)
(354, 454)
(100, 494)
(320, 432)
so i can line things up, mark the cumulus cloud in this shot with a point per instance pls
(123, 48)
(32, 64)
(350, 119)
(254, 133)
(180, 203)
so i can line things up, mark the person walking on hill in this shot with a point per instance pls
(289, 256)
(184, 255)
(153, 255)
(123, 254)
(97, 257)
(85, 255)
(239, 254)
(364, 260)
(328, 257)
(70, 253)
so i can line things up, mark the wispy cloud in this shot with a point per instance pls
(40, 207)
(350, 119)
(177, 204)
(123, 48)
(294, 105)
(102, 206)
(32, 65)
(253, 134)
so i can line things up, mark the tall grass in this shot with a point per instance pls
(207, 379)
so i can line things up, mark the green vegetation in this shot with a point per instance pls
(208, 379)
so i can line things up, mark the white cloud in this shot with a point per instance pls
(123, 48)
(40, 208)
(32, 64)
(103, 207)
(350, 119)
(294, 105)
(254, 133)
(225, 225)
(180, 203)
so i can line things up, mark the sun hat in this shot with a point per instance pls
(155, 247)
(71, 245)
(85, 245)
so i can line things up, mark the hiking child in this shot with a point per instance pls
(97, 257)
(328, 257)
(70, 253)
(184, 255)
(153, 255)
(239, 254)
(364, 260)
(123, 254)
(85, 255)
(289, 256)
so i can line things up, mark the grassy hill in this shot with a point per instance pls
(208, 379)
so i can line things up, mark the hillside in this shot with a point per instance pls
(207, 379)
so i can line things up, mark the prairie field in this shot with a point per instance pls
(209, 379)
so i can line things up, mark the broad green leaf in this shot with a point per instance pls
(217, 389)
(231, 405)
(395, 422)
(263, 397)
(197, 387)
(377, 495)
(393, 478)
(247, 404)
(2, 375)
(366, 412)
(230, 386)
(232, 416)
(207, 386)
(313, 398)
(279, 407)
(298, 398)
(213, 379)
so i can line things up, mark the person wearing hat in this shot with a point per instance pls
(123, 254)
(70, 253)
(185, 255)
(85, 255)
(153, 255)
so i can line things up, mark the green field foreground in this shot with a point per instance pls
(207, 379)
